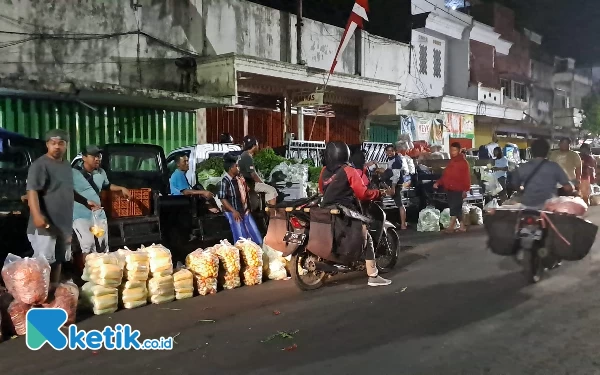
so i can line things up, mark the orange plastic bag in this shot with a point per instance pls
(18, 313)
(65, 297)
(27, 279)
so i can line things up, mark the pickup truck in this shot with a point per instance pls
(16, 155)
(182, 223)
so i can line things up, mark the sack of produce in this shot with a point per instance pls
(161, 289)
(429, 220)
(492, 205)
(18, 313)
(101, 299)
(445, 218)
(133, 294)
(251, 253)
(230, 280)
(252, 275)
(206, 285)
(204, 263)
(27, 279)
(66, 297)
(229, 257)
(184, 284)
(567, 205)
(274, 265)
(160, 258)
(104, 269)
(476, 215)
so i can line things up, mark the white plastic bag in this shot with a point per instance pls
(492, 186)
(492, 205)
(274, 269)
(429, 220)
(445, 218)
(476, 215)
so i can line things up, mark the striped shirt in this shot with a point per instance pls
(231, 190)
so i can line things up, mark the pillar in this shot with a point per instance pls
(300, 114)
(201, 127)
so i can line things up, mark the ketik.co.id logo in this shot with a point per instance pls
(43, 326)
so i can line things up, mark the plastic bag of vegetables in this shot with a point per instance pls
(429, 220)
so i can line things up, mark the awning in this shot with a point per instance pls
(465, 106)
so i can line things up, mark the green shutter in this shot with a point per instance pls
(383, 133)
(101, 125)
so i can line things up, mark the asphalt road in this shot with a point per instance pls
(454, 308)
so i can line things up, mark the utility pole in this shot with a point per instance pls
(299, 25)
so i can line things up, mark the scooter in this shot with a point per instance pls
(310, 263)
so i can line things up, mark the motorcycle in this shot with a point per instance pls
(531, 253)
(309, 266)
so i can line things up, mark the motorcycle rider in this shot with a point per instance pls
(541, 176)
(340, 184)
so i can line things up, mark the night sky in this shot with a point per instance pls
(571, 28)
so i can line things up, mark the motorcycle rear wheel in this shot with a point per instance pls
(388, 250)
(532, 267)
(300, 263)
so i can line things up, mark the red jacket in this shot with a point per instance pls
(457, 175)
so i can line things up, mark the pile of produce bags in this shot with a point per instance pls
(429, 220)
(229, 260)
(161, 285)
(184, 284)
(204, 264)
(133, 291)
(252, 259)
(104, 269)
(27, 279)
(294, 173)
(567, 205)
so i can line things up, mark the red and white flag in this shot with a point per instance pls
(359, 13)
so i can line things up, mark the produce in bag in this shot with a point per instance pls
(159, 299)
(161, 285)
(133, 294)
(429, 220)
(204, 263)
(229, 257)
(274, 265)
(252, 276)
(206, 285)
(445, 218)
(99, 223)
(567, 205)
(476, 215)
(184, 284)
(18, 313)
(250, 253)
(134, 304)
(230, 280)
(137, 275)
(492, 205)
(27, 279)
(102, 299)
(105, 302)
(66, 297)
(164, 272)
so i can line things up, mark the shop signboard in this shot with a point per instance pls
(461, 126)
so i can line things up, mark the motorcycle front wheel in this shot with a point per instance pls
(303, 271)
(388, 250)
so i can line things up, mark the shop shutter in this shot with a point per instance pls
(101, 125)
(383, 134)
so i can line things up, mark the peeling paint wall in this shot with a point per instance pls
(53, 41)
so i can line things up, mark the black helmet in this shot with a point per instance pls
(336, 154)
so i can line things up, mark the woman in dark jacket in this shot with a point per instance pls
(456, 181)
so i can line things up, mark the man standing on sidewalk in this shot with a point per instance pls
(248, 171)
(569, 160)
(50, 196)
(89, 180)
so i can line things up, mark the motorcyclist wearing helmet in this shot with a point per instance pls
(341, 184)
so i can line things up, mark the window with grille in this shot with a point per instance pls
(423, 59)
(505, 83)
(519, 91)
(437, 63)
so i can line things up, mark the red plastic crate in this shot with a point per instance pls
(138, 205)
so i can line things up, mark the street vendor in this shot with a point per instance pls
(364, 168)
(456, 180)
(234, 197)
(89, 180)
(51, 196)
(248, 171)
(179, 183)
(395, 175)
